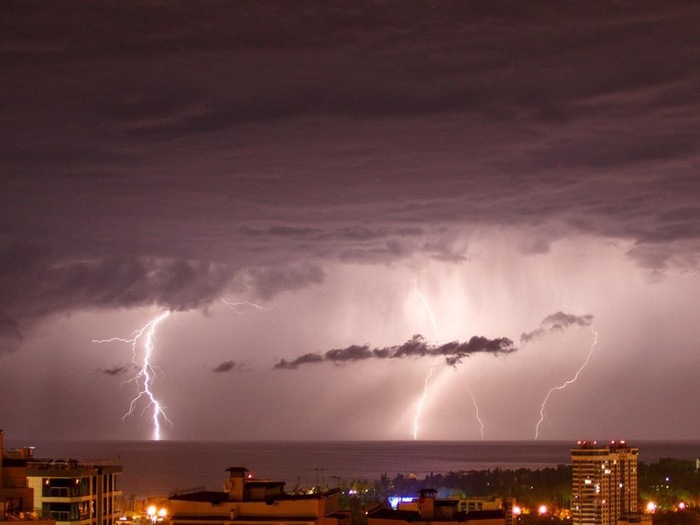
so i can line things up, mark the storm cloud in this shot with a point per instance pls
(508, 156)
(531, 124)
(453, 352)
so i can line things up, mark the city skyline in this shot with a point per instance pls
(454, 221)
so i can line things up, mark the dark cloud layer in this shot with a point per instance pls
(453, 352)
(162, 154)
(556, 322)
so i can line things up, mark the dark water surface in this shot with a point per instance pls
(157, 467)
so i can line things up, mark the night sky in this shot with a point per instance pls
(337, 201)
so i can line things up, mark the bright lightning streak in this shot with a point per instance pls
(144, 378)
(421, 402)
(235, 306)
(426, 386)
(476, 412)
(431, 315)
(565, 384)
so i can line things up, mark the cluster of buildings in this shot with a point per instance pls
(71, 492)
(604, 492)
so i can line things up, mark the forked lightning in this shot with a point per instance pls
(146, 374)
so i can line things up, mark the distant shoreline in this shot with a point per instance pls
(163, 466)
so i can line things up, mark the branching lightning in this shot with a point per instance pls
(565, 384)
(146, 374)
(236, 307)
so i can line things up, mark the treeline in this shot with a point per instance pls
(525, 485)
(667, 482)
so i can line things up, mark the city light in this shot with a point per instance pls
(155, 514)
(542, 509)
(651, 506)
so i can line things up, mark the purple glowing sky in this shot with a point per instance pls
(506, 161)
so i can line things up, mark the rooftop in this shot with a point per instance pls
(216, 497)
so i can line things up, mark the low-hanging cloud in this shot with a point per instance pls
(556, 322)
(117, 370)
(225, 366)
(453, 352)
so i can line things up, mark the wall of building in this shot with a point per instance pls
(301, 508)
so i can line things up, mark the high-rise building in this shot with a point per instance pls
(604, 483)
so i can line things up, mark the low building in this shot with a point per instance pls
(427, 509)
(16, 495)
(74, 492)
(635, 519)
(248, 501)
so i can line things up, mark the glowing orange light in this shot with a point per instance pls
(542, 509)
(517, 511)
(651, 506)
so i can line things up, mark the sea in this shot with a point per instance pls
(158, 468)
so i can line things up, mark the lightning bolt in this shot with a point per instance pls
(426, 386)
(476, 412)
(235, 306)
(146, 374)
(565, 384)
(421, 401)
(431, 315)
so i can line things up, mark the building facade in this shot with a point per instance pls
(73, 492)
(604, 488)
(16, 496)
